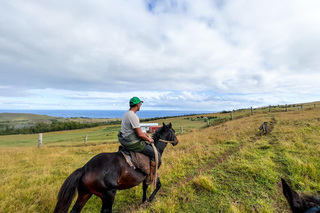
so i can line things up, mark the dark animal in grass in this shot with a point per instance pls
(300, 204)
(264, 128)
(106, 173)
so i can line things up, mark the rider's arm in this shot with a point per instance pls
(142, 135)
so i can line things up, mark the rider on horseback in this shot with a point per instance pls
(131, 136)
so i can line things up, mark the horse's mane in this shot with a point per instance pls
(156, 134)
(302, 202)
(311, 199)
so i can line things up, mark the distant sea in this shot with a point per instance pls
(105, 113)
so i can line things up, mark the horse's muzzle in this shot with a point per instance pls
(176, 141)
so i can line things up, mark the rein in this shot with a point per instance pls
(154, 184)
(165, 141)
(313, 209)
(155, 177)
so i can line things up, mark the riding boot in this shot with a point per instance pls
(150, 177)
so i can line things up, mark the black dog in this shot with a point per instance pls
(264, 128)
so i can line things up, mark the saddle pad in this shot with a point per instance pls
(128, 159)
(141, 161)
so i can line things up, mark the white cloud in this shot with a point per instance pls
(189, 54)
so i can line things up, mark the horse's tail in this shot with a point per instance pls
(67, 191)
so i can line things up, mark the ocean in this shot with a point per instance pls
(105, 113)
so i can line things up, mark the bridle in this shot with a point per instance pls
(171, 141)
(313, 209)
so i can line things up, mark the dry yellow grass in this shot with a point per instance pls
(227, 167)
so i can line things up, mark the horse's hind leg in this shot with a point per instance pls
(82, 199)
(107, 201)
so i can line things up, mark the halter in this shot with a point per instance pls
(313, 209)
(165, 141)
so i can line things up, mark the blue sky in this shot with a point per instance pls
(184, 55)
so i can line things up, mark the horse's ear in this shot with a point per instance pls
(163, 124)
(292, 197)
(170, 125)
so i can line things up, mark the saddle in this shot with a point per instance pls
(136, 160)
(139, 161)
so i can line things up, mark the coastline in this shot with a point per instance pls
(107, 113)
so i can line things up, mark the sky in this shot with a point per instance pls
(204, 55)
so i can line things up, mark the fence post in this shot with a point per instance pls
(181, 129)
(301, 106)
(251, 111)
(85, 139)
(286, 107)
(40, 140)
(208, 123)
(231, 115)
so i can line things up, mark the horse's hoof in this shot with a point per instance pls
(145, 204)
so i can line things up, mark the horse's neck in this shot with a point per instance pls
(159, 145)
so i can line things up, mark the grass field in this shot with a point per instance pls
(227, 167)
(27, 119)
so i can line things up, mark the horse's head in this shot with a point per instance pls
(300, 204)
(166, 134)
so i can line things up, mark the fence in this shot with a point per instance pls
(270, 108)
(86, 137)
(277, 108)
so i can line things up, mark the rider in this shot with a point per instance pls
(131, 136)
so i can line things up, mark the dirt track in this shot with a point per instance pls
(210, 165)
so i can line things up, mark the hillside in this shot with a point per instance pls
(21, 120)
(226, 167)
(23, 117)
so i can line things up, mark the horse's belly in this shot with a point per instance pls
(130, 179)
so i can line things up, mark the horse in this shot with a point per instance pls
(106, 173)
(264, 128)
(300, 204)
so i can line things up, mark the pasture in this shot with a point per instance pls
(226, 167)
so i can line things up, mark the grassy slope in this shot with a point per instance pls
(14, 119)
(227, 167)
(23, 116)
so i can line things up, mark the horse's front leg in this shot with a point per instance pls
(144, 188)
(156, 190)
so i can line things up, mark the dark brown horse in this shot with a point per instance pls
(300, 204)
(106, 173)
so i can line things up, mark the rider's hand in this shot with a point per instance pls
(151, 140)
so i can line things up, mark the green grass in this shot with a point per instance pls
(227, 167)
(96, 135)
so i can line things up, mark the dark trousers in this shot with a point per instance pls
(148, 150)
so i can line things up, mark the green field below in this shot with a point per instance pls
(226, 167)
